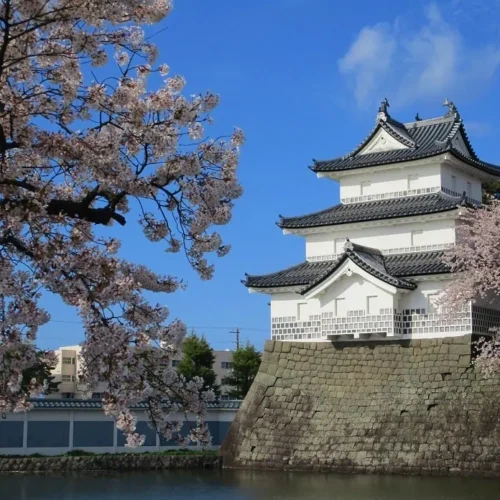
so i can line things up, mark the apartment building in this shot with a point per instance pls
(66, 372)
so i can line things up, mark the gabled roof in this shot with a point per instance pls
(391, 269)
(370, 260)
(374, 210)
(423, 138)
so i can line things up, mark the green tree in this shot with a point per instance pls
(198, 361)
(41, 371)
(246, 362)
(491, 189)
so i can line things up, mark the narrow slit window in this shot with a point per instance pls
(365, 185)
(302, 311)
(340, 308)
(412, 181)
(416, 238)
(432, 303)
(339, 245)
(371, 304)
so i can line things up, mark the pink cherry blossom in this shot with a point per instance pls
(80, 151)
(476, 261)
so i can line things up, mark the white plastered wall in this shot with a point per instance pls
(355, 290)
(435, 232)
(382, 141)
(460, 182)
(287, 305)
(391, 180)
(419, 298)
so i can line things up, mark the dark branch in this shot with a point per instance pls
(79, 210)
(10, 239)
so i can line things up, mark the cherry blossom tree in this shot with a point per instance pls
(79, 153)
(476, 260)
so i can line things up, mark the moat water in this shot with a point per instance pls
(244, 485)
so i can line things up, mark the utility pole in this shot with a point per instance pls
(237, 332)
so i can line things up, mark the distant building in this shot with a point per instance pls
(66, 372)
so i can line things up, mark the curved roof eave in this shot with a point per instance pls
(394, 204)
(483, 166)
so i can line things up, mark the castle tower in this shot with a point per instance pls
(374, 264)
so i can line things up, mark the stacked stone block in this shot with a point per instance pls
(413, 407)
(117, 461)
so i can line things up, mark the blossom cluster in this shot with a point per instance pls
(475, 260)
(76, 153)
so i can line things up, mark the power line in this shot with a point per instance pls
(189, 327)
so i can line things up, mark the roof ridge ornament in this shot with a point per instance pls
(452, 110)
(383, 114)
(464, 200)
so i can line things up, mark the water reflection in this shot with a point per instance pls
(244, 485)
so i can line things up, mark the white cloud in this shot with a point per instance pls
(368, 59)
(432, 61)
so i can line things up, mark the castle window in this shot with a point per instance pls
(339, 245)
(371, 304)
(412, 181)
(432, 306)
(454, 183)
(340, 309)
(364, 187)
(302, 311)
(416, 238)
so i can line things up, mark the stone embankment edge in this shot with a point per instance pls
(109, 462)
(413, 407)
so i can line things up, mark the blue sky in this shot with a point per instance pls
(303, 79)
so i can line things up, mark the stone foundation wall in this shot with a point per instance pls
(109, 462)
(413, 408)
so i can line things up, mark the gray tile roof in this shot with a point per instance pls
(424, 139)
(416, 264)
(389, 268)
(370, 260)
(94, 404)
(374, 210)
(303, 274)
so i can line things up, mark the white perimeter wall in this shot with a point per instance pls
(38, 415)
